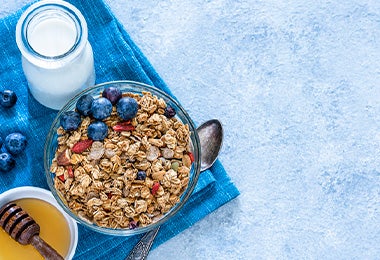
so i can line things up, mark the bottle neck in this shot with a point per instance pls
(51, 33)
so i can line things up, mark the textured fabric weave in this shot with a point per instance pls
(116, 58)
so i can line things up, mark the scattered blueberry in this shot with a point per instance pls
(8, 98)
(169, 112)
(1, 141)
(7, 162)
(127, 108)
(141, 175)
(101, 108)
(70, 120)
(113, 94)
(84, 104)
(97, 131)
(15, 143)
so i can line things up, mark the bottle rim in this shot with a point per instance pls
(36, 11)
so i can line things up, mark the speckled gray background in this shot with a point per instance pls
(296, 85)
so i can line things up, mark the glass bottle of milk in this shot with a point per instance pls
(57, 58)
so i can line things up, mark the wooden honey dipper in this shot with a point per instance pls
(22, 228)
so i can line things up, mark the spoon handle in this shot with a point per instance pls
(141, 249)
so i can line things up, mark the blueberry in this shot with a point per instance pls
(101, 108)
(127, 108)
(8, 98)
(141, 175)
(113, 94)
(133, 224)
(169, 112)
(84, 104)
(97, 131)
(7, 162)
(15, 143)
(1, 141)
(70, 120)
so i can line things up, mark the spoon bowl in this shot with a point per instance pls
(211, 138)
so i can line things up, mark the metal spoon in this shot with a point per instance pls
(211, 137)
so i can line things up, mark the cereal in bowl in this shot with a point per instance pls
(126, 167)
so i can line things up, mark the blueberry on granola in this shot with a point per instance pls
(8, 98)
(141, 175)
(83, 104)
(7, 162)
(113, 94)
(97, 131)
(70, 120)
(127, 108)
(101, 108)
(169, 112)
(15, 143)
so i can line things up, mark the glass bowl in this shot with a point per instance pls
(136, 88)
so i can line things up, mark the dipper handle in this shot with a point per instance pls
(44, 248)
(22, 228)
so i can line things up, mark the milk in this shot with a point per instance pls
(57, 59)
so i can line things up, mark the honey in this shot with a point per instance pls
(54, 230)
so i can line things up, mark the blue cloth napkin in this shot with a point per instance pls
(116, 58)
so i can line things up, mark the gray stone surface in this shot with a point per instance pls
(296, 85)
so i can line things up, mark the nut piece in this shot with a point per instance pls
(63, 158)
(97, 151)
(152, 153)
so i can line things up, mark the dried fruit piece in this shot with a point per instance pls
(191, 155)
(155, 188)
(61, 177)
(63, 158)
(81, 146)
(70, 172)
(123, 127)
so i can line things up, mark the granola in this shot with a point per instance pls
(100, 183)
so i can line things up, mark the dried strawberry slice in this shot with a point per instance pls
(61, 177)
(191, 155)
(81, 146)
(70, 172)
(155, 188)
(125, 126)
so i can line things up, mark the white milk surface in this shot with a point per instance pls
(52, 37)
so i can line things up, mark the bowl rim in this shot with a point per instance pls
(24, 192)
(184, 197)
